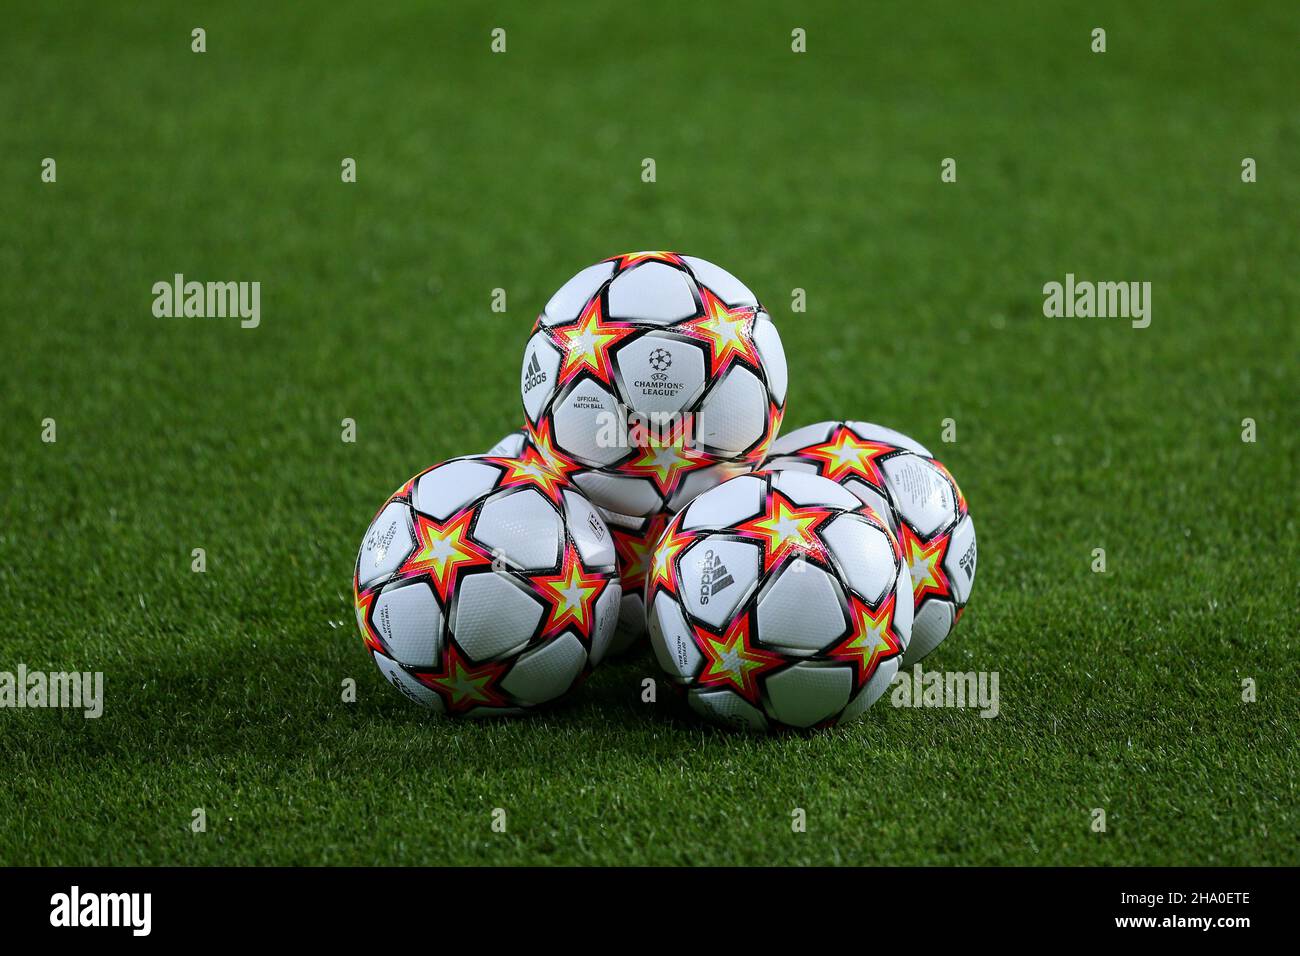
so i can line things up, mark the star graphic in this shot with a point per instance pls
(571, 595)
(844, 454)
(732, 660)
(531, 469)
(442, 551)
(539, 437)
(585, 343)
(872, 637)
(925, 564)
(787, 530)
(729, 333)
(629, 259)
(462, 685)
(364, 604)
(665, 458)
(754, 457)
(634, 548)
(663, 562)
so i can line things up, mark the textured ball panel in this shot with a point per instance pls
(801, 611)
(730, 503)
(493, 616)
(959, 562)
(733, 416)
(589, 531)
(791, 442)
(409, 620)
(698, 482)
(446, 489)
(871, 691)
(725, 707)
(671, 639)
(510, 446)
(768, 341)
(538, 377)
(652, 293)
(625, 495)
(807, 694)
(547, 672)
(566, 305)
(386, 545)
(660, 373)
(933, 622)
(721, 282)
(812, 490)
(864, 555)
(523, 528)
(717, 576)
(921, 493)
(582, 424)
(406, 685)
(605, 629)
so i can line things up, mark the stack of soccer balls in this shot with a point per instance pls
(782, 582)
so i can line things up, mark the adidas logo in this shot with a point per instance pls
(715, 577)
(533, 374)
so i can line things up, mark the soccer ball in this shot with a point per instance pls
(777, 599)
(899, 477)
(650, 377)
(486, 585)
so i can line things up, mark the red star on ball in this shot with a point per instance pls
(872, 637)
(788, 531)
(845, 454)
(729, 333)
(732, 660)
(629, 259)
(585, 343)
(463, 685)
(443, 551)
(571, 595)
(925, 564)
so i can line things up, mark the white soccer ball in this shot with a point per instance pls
(778, 599)
(650, 377)
(927, 511)
(486, 585)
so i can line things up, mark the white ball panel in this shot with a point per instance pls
(672, 639)
(813, 490)
(904, 609)
(864, 555)
(697, 482)
(631, 622)
(734, 413)
(728, 504)
(801, 613)
(493, 616)
(606, 621)
(717, 576)
(782, 463)
(660, 373)
(869, 694)
(410, 622)
(580, 424)
(808, 693)
(874, 500)
(546, 672)
(590, 534)
(408, 686)
(537, 379)
(652, 292)
(568, 302)
(623, 494)
(511, 446)
(386, 545)
(448, 488)
(727, 707)
(522, 527)
(921, 493)
(959, 562)
(772, 352)
(721, 282)
(932, 623)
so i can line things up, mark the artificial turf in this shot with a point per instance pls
(476, 171)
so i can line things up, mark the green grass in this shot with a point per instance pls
(819, 171)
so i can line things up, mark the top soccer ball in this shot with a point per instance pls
(900, 479)
(650, 377)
